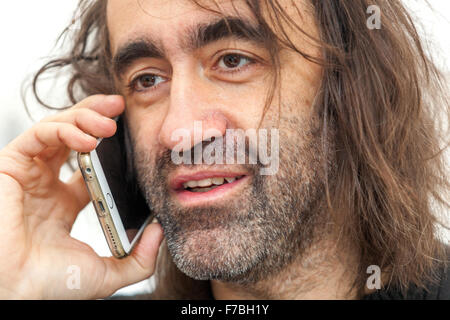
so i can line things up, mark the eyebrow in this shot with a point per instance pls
(198, 37)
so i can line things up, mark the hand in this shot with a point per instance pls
(37, 212)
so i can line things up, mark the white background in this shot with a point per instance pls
(28, 31)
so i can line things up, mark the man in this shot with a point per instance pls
(358, 154)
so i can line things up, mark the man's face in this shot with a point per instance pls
(177, 66)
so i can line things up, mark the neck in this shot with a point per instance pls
(322, 272)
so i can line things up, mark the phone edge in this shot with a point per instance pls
(95, 193)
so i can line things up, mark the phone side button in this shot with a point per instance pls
(109, 200)
(99, 208)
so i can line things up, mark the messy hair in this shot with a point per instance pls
(384, 95)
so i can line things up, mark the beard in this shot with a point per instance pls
(259, 231)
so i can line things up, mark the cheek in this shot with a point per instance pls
(300, 81)
(244, 104)
(144, 126)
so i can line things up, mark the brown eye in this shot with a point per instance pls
(233, 61)
(147, 81)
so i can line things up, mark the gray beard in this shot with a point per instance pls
(260, 231)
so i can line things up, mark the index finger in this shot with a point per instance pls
(107, 105)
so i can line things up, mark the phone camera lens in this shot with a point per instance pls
(88, 170)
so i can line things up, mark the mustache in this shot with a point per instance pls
(245, 155)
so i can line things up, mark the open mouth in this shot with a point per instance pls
(206, 185)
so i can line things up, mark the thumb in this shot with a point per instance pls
(139, 265)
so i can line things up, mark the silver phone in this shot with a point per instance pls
(121, 209)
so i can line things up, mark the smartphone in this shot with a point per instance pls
(118, 201)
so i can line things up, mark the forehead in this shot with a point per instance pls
(164, 20)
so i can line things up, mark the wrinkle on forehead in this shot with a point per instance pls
(167, 8)
(134, 18)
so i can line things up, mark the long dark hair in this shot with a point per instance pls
(385, 96)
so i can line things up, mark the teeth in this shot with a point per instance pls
(216, 181)
(191, 184)
(230, 180)
(204, 183)
(202, 189)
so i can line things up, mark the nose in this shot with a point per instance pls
(193, 114)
